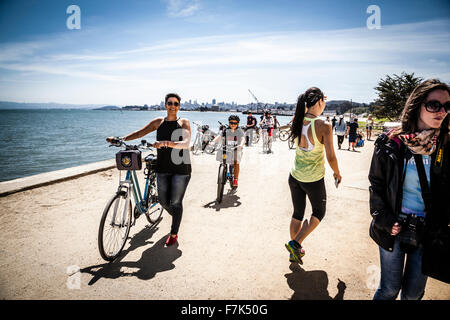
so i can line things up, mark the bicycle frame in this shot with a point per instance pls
(229, 168)
(131, 184)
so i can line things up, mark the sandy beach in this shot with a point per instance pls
(234, 250)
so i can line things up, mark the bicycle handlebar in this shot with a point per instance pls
(117, 142)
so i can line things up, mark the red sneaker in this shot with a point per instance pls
(171, 240)
(235, 183)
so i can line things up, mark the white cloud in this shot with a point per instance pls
(345, 63)
(182, 8)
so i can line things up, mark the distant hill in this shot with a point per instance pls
(109, 108)
(4, 105)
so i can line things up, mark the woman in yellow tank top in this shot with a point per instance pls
(313, 139)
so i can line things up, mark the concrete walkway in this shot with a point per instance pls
(231, 251)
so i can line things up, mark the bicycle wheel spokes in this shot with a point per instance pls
(114, 227)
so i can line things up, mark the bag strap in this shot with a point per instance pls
(426, 192)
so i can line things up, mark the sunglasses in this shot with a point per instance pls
(176, 104)
(233, 122)
(434, 106)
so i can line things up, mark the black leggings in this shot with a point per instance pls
(340, 139)
(316, 193)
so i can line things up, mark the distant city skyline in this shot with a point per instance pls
(135, 52)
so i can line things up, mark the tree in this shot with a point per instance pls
(393, 93)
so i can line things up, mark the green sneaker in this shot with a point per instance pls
(296, 250)
(291, 258)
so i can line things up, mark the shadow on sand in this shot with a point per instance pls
(230, 200)
(311, 285)
(156, 258)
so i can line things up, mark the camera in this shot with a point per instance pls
(412, 230)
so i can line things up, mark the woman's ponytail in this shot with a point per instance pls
(305, 100)
(297, 124)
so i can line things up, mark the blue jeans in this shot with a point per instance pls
(394, 277)
(171, 190)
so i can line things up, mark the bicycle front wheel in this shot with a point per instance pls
(221, 179)
(114, 227)
(209, 149)
(197, 145)
(284, 135)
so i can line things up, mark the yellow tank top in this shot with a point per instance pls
(309, 166)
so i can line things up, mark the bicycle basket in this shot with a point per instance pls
(129, 160)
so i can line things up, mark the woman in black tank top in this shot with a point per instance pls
(173, 167)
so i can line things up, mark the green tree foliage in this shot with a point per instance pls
(393, 91)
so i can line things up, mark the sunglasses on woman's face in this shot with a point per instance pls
(436, 106)
(170, 103)
(233, 122)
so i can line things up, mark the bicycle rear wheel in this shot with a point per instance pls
(114, 227)
(291, 144)
(154, 211)
(255, 137)
(221, 179)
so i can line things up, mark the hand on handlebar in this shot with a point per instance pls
(162, 144)
(114, 140)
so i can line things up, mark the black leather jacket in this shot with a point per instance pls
(386, 178)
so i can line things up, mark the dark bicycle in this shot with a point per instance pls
(117, 218)
(226, 171)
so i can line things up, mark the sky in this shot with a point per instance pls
(135, 51)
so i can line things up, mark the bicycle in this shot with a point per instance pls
(202, 139)
(226, 171)
(117, 217)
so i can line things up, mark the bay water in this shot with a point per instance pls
(44, 140)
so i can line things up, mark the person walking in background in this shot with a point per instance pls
(333, 123)
(352, 131)
(369, 126)
(409, 182)
(267, 125)
(341, 129)
(172, 178)
(313, 138)
(251, 124)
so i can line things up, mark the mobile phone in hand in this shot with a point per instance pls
(336, 182)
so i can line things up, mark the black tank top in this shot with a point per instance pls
(165, 161)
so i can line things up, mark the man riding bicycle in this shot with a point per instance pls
(251, 124)
(235, 139)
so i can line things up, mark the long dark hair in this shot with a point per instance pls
(411, 111)
(308, 99)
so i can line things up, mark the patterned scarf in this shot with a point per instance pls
(422, 142)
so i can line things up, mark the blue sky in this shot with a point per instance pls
(134, 52)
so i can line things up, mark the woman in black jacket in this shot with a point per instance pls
(403, 223)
